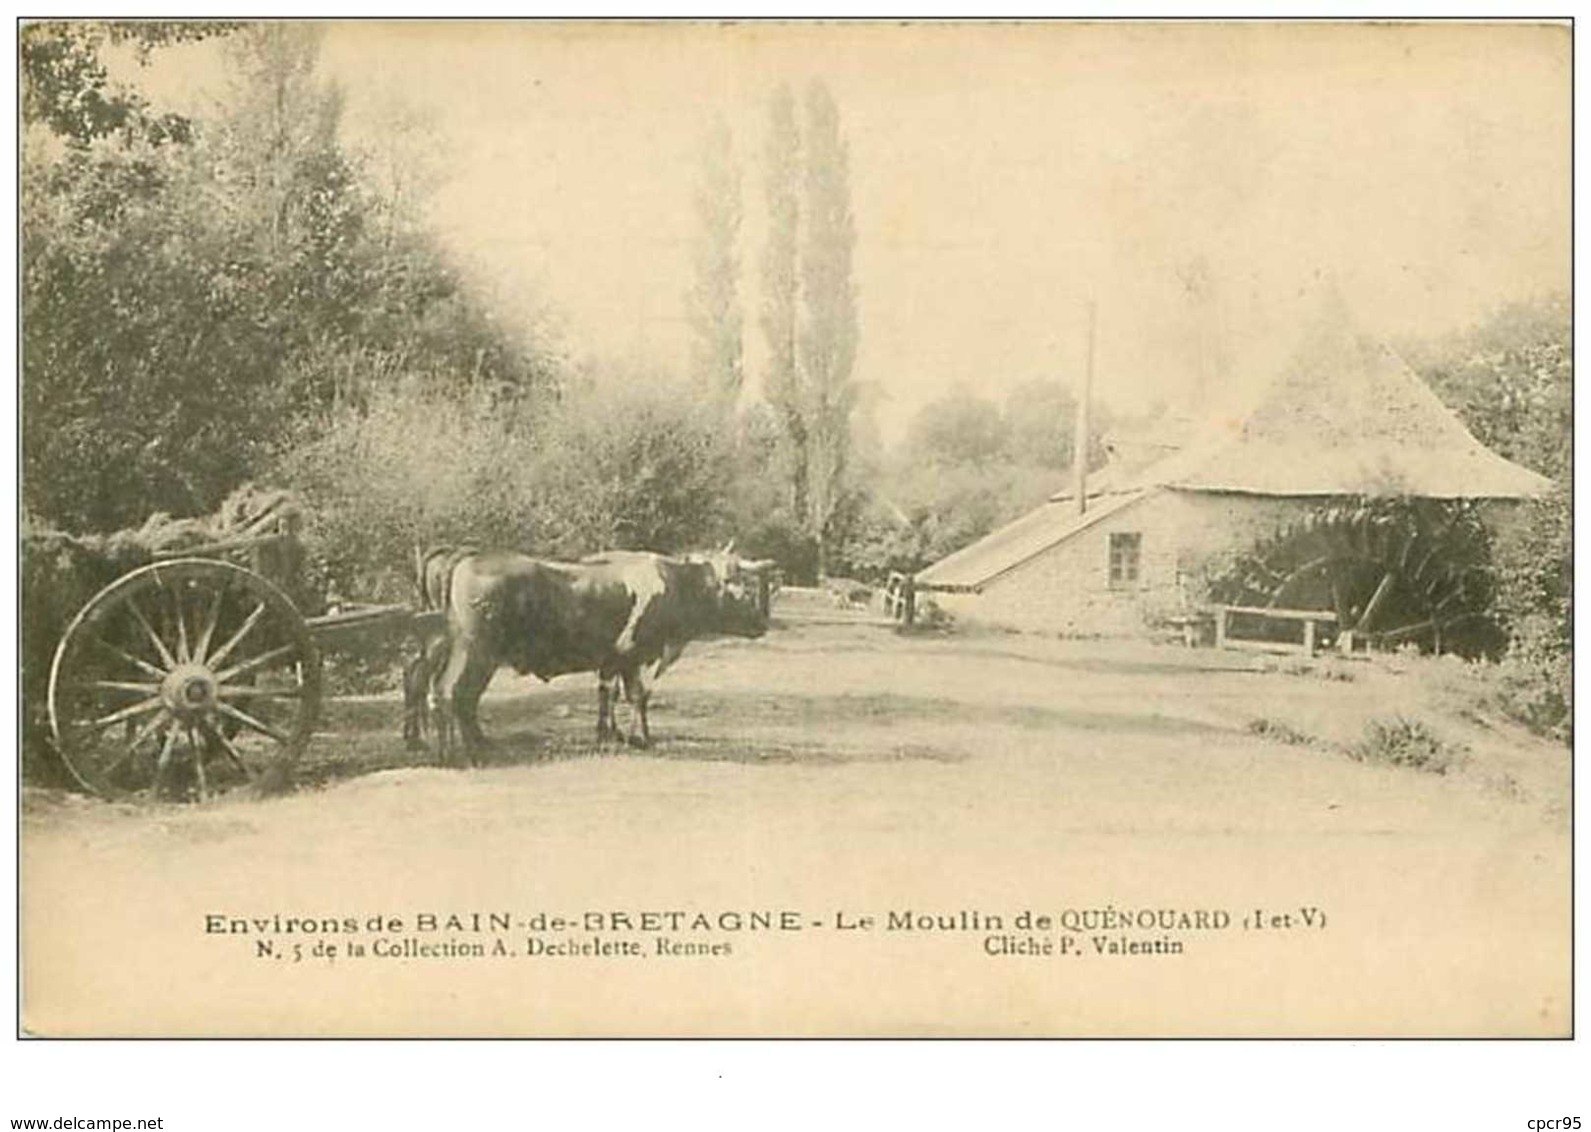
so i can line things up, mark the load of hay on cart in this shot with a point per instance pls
(193, 669)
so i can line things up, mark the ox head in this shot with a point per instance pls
(742, 590)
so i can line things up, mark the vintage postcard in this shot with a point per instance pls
(775, 529)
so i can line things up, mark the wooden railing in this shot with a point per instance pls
(1311, 619)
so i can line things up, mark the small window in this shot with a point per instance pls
(1124, 548)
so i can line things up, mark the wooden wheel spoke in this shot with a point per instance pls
(114, 686)
(163, 761)
(182, 626)
(198, 764)
(147, 730)
(249, 622)
(255, 662)
(231, 751)
(253, 724)
(207, 630)
(137, 662)
(130, 712)
(144, 732)
(154, 637)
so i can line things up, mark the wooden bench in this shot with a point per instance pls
(1311, 618)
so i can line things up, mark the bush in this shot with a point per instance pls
(1535, 563)
(776, 536)
(933, 617)
(921, 514)
(1405, 742)
(413, 468)
(1537, 684)
(630, 460)
(1281, 732)
(1512, 381)
(621, 461)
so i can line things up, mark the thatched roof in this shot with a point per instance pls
(1346, 417)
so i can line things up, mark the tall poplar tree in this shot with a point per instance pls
(828, 321)
(780, 284)
(715, 317)
(809, 304)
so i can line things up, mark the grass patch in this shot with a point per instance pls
(1400, 741)
(1276, 730)
(1320, 670)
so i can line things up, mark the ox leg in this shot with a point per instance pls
(446, 733)
(463, 680)
(420, 678)
(636, 693)
(416, 690)
(606, 696)
(436, 654)
(413, 703)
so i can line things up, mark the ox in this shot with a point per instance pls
(614, 614)
(433, 574)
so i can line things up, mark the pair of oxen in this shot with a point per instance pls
(616, 614)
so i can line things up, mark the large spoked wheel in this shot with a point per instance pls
(183, 680)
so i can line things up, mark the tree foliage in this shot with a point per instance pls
(67, 88)
(959, 429)
(714, 301)
(1040, 417)
(631, 460)
(828, 325)
(1511, 380)
(809, 306)
(622, 460)
(196, 301)
(780, 290)
(967, 465)
(414, 465)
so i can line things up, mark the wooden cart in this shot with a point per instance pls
(197, 674)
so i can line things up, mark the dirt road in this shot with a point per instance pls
(1198, 877)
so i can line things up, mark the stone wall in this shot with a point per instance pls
(1067, 589)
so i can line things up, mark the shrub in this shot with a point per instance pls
(621, 461)
(932, 617)
(779, 537)
(1536, 687)
(413, 468)
(1536, 572)
(1281, 732)
(631, 459)
(1511, 379)
(1400, 741)
(921, 513)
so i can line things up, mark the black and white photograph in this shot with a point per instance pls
(789, 529)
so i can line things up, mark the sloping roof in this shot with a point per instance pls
(1346, 417)
(1017, 542)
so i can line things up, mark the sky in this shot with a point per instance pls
(1199, 184)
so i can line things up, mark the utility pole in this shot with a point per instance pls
(1080, 442)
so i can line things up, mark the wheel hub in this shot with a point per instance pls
(189, 691)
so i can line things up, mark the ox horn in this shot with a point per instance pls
(755, 564)
(729, 547)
